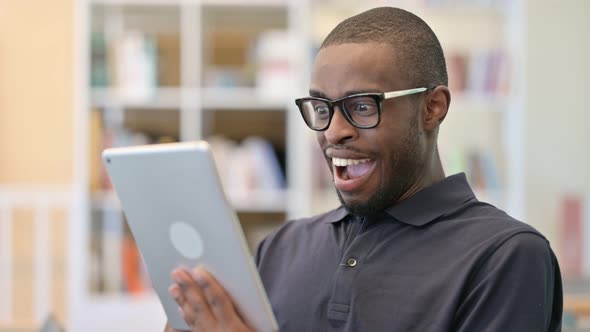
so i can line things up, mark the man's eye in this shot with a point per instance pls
(361, 106)
(322, 110)
(364, 107)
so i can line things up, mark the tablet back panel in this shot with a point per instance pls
(173, 201)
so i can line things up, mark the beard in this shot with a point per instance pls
(405, 167)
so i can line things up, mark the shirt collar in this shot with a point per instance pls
(336, 215)
(426, 205)
(435, 201)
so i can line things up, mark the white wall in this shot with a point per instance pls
(557, 135)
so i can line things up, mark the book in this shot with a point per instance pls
(115, 262)
(99, 73)
(112, 235)
(96, 129)
(274, 69)
(487, 72)
(132, 270)
(482, 169)
(168, 59)
(572, 236)
(457, 69)
(266, 168)
(135, 66)
(259, 168)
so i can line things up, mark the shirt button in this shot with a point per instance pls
(351, 262)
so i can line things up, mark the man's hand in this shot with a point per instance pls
(203, 302)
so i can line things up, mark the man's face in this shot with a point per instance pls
(383, 162)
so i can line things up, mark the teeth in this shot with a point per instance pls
(347, 162)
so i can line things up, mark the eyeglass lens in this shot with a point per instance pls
(362, 110)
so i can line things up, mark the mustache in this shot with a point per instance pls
(344, 147)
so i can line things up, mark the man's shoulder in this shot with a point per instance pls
(510, 264)
(485, 223)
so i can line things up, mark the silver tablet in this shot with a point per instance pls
(179, 216)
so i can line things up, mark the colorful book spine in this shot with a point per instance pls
(575, 236)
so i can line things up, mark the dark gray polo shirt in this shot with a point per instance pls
(438, 261)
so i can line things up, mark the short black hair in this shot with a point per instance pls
(416, 46)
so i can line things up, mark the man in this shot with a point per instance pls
(410, 249)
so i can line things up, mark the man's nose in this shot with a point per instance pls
(340, 130)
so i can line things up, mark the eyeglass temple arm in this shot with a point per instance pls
(400, 93)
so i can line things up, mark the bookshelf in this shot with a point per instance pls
(160, 71)
(163, 71)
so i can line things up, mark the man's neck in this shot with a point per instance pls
(433, 172)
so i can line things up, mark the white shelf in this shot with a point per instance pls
(241, 98)
(259, 201)
(138, 2)
(250, 201)
(105, 199)
(211, 98)
(250, 3)
(123, 312)
(469, 102)
(106, 299)
(162, 98)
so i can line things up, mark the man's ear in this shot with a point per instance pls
(436, 107)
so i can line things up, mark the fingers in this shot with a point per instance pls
(177, 294)
(219, 300)
(203, 302)
(192, 302)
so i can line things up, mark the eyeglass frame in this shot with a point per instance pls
(378, 97)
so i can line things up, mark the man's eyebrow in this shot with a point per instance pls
(315, 93)
(356, 92)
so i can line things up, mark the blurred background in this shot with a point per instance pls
(78, 76)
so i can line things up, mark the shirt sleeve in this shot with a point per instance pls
(517, 288)
(259, 252)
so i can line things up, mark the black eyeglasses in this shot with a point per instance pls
(361, 110)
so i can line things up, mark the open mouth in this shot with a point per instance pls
(348, 169)
(351, 174)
